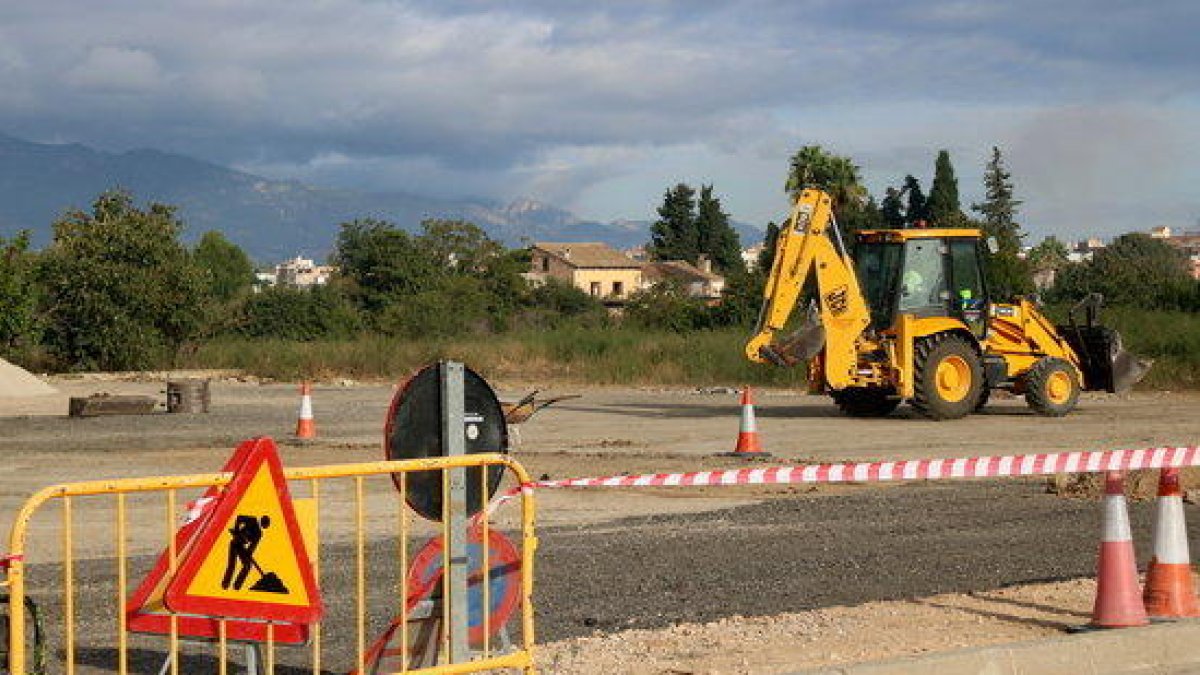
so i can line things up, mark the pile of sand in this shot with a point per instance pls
(16, 382)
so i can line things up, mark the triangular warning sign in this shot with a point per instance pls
(248, 559)
(145, 611)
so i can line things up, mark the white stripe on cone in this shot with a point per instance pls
(1170, 533)
(306, 411)
(749, 425)
(1116, 520)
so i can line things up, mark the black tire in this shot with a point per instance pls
(1052, 387)
(955, 353)
(866, 401)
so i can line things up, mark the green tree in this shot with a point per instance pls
(943, 206)
(381, 264)
(227, 269)
(459, 244)
(891, 211)
(121, 291)
(813, 166)
(302, 314)
(1135, 270)
(674, 236)
(1007, 273)
(859, 217)
(916, 209)
(717, 238)
(665, 306)
(1050, 254)
(18, 297)
(766, 257)
(557, 302)
(454, 308)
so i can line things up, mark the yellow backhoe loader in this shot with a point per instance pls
(910, 319)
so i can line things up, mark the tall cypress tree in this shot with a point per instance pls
(916, 209)
(1008, 274)
(891, 211)
(717, 238)
(943, 206)
(674, 235)
(766, 257)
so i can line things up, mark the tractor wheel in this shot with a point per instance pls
(1052, 387)
(948, 377)
(866, 401)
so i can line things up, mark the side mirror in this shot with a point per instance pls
(993, 245)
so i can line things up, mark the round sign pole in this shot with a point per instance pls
(455, 518)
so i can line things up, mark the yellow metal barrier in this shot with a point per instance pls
(120, 492)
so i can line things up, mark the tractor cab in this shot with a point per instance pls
(924, 273)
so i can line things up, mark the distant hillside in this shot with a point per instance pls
(270, 219)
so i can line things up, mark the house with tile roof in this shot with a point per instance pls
(698, 281)
(593, 267)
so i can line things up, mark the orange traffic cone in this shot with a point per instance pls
(1118, 597)
(1170, 592)
(306, 428)
(747, 442)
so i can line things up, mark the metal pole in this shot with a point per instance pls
(454, 444)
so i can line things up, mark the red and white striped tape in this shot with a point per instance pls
(874, 472)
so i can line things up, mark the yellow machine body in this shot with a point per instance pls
(872, 339)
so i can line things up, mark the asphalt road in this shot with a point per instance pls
(778, 556)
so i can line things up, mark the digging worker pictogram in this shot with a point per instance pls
(246, 535)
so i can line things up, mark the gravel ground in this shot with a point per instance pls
(674, 573)
(776, 558)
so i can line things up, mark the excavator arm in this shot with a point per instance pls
(805, 248)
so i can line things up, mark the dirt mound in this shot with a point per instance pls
(1141, 484)
(16, 382)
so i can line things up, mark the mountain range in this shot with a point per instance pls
(270, 219)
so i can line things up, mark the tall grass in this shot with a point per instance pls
(574, 355)
(1172, 339)
(631, 356)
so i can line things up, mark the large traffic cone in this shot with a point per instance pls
(1170, 592)
(748, 444)
(1118, 597)
(306, 428)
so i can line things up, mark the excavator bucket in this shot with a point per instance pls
(804, 344)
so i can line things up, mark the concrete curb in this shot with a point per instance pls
(1154, 649)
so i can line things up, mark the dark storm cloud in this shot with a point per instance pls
(558, 95)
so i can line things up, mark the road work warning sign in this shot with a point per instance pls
(146, 611)
(248, 558)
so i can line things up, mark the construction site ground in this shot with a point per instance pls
(664, 580)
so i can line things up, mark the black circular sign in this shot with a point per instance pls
(414, 431)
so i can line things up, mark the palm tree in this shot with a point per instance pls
(813, 166)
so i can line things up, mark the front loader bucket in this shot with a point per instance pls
(1128, 370)
(1105, 363)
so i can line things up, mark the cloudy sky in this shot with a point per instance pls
(598, 106)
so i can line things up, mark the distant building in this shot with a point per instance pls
(1084, 249)
(302, 273)
(698, 281)
(750, 256)
(1188, 242)
(637, 253)
(593, 267)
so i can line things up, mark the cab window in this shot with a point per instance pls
(968, 296)
(923, 283)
